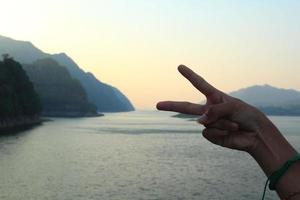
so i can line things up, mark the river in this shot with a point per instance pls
(142, 155)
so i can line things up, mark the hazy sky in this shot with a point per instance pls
(136, 45)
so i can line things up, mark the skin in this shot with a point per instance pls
(232, 123)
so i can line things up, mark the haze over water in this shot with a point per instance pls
(137, 155)
(136, 45)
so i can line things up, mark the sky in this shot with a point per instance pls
(136, 45)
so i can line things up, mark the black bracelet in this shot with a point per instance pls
(275, 176)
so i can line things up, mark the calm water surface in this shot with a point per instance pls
(138, 155)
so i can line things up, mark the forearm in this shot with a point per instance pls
(271, 152)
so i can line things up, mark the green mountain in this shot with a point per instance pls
(17, 95)
(106, 98)
(61, 95)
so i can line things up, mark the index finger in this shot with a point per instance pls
(198, 82)
(182, 107)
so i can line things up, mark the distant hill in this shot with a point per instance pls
(61, 95)
(266, 95)
(107, 98)
(22, 51)
(270, 100)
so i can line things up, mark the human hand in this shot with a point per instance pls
(229, 122)
(232, 123)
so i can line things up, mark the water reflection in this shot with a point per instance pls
(106, 158)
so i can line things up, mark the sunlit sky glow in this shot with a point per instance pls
(136, 45)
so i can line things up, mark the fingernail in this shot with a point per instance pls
(202, 119)
(158, 105)
(181, 67)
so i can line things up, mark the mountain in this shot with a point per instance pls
(20, 105)
(266, 96)
(22, 51)
(17, 94)
(51, 81)
(104, 96)
(269, 99)
(107, 98)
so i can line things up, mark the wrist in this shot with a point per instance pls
(271, 150)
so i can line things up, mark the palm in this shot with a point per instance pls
(217, 132)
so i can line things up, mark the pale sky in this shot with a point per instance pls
(136, 45)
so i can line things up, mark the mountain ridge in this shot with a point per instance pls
(267, 95)
(106, 97)
(50, 81)
(269, 99)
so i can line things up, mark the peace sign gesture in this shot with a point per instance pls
(234, 124)
(229, 122)
(213, 97)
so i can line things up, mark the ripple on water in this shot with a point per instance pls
(92, 158)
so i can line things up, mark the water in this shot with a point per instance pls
(134, 156)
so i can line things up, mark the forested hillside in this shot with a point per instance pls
(17, 95)
(61, 95)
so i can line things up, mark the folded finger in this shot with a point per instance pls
(215, 136)
(223, 124)
(218, 111)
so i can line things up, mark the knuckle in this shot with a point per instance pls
(239, 102)
(211, 112)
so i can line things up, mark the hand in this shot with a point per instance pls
(229, 122)
(232, 123)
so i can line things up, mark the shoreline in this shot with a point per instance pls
(10, 124)
(60, 114)
(23, 122)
